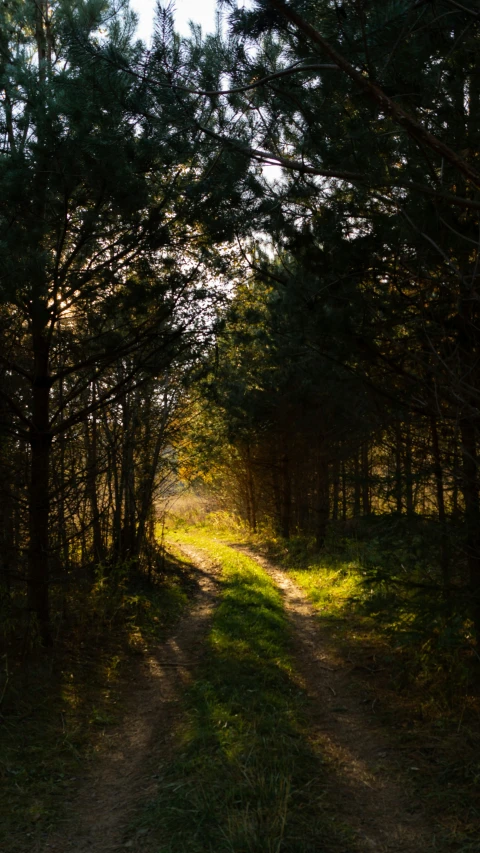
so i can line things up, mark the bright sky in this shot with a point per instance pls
(200, 11)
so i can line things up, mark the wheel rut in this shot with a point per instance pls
(368, 790)
(365, 787)
(100, 813)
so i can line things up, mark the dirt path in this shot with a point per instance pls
(367, 789)
(100, 813)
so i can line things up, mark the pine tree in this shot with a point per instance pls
(98, 261)
(373, 110)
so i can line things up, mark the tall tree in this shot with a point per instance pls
(98, 260)
(384, 136)
(371, 111)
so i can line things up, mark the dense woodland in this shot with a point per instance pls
(304, 340)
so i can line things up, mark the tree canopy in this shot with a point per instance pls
(326, 319)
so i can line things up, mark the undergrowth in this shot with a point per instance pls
(243, 777)
(57, 707)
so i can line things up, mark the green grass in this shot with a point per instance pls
(416, 667)
(414, 663)
(243, 777)
(57, 706)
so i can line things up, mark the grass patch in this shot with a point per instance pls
(58, 706)
(414, 660)
(243, 777)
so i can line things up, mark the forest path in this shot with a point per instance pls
(365, 787)
(99, 816)
(368, 791)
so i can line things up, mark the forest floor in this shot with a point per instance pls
(60, 710)
(367, 789)
(250, 730)
(99, 817)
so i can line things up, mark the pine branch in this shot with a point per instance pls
(475, 14)
(352, 177)
(413, 127)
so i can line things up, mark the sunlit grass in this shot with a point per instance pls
(244, 776)
(414, 664)
(412, 659)
(331, 590)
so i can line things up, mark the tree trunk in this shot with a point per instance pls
(128, 474)
(118, 502)
(323, 502)
(398, 468)
(251, 491)
(455, 475)
(344, 492)
(59, 477)
(147, 493)
(408, 471)
(442, 517)
(277, 497)
(336, 487)
(39, 490)
(7, 536)
(472, 514)
(357, 485)
(365, 480)
(286, 497)
(91, 484)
